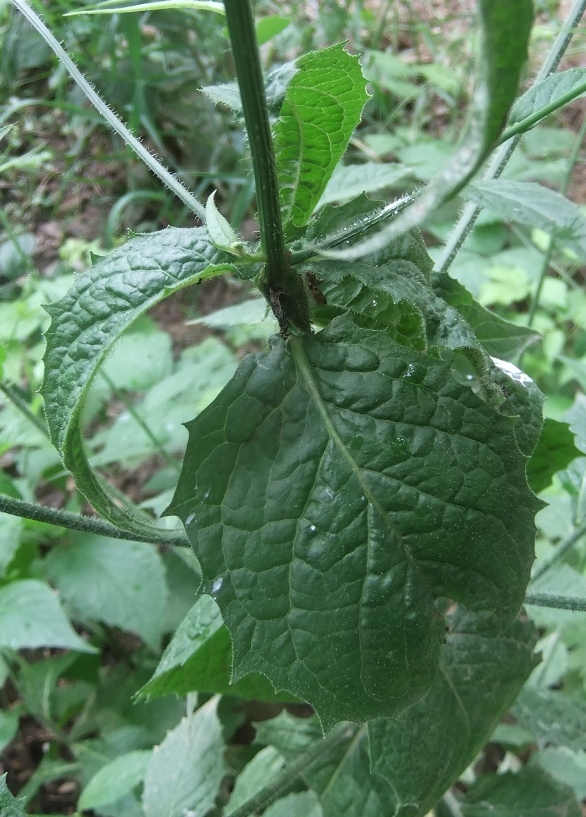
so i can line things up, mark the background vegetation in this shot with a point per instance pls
(84, 619)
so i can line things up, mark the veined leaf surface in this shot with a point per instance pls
(554, 91)
(85, 324)
(322, 106)
(336, 487)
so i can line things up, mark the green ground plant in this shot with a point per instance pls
(357, 498)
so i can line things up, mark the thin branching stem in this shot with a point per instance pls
(87, 524)
(503, 154)
(560, 551)
(282, 781)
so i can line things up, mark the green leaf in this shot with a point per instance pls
(185, 771)
(103, 302)
(31, 616)
(322, 106)
(8, 726)
(500, 338)
(479, 679)
(303, 804)
(555, 450)
(10, 531)
(9, 805)
(545, 97)
(115, 780)
(552, 717)
(255, 775)
(199, 658)
(349, 181)
(221, 233)
(528, 793)
(566, 766)
(333, 490)
(120, 583)
(505, 29)
(269, 27)
(534, 205)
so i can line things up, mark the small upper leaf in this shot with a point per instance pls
(322, 106)
(542, 98)
(334, 489)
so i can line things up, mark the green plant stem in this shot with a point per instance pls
(526, 124)
(113, 121)
(560, 551)
(558, 602)
(88, 524)
(547, 257)
(500, 158)
(24, 408)
(282, 781)
(280, 280)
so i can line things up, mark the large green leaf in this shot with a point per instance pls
(103, 302)
(529, 793)
(322, 106)
(546, 96)
(185, 771)
(478, 680)
(31, 616)
(409, 765)
(537, 206)
(505, 29)
(333, 490)
(199, 659)
(117, 582)
(500, 338)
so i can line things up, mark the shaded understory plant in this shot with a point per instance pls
(357, 495)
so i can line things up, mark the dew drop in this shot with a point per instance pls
(190, 519)
(312, 528)
(216, 584)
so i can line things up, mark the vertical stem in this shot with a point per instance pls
(282, 286)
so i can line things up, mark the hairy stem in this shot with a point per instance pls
(503, 154)
(282, 286)
(113, 121)
(281, 782)
(88, 524)
(559, 602)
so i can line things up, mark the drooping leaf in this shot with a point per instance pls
(255, 775)
(103, 302)
(479, 679)
(537, 206)
(413, 763)
(349, 181)
(110, 580)
(505, 29)
(335, 487)
(547, 96)
(199, 658)
(499, 337)
(555, 450)
(552, 717)
(115, 780)
(528, 793)
(9, 805)
(185, 771)
(322, 106)
(31, 616)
